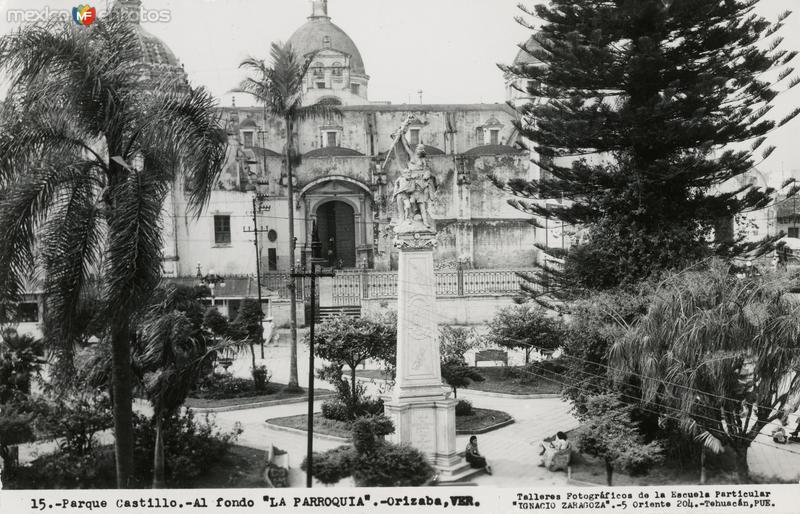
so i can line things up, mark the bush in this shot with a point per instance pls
(336, 409)
(549, 367)
(218, 386)
(371, 460)
(390, 465)
(464, 408)
(78, 419)
(332, 465)
(190, 447)
(261, 377)
(370, 407)
(61, 470)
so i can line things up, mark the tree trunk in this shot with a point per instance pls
(253, 355)
(609, 473)
(122, 408)
(455, 394)
(353, 386)
(527, 355)
(742, 469)
(703, 465)
(158, 458)
(293, 382)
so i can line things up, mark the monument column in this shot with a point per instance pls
(423, 416)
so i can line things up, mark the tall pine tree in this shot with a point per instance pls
(651, 109)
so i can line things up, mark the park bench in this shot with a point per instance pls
(491, 356)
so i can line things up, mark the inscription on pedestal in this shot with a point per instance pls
(423, 429)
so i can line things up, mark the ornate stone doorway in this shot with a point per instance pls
(337, 233)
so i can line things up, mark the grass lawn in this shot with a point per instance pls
(275, 391)
(498, 379)
(480, 420)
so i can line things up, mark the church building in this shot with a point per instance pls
(343, 189)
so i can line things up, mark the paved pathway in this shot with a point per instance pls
(770, 460)
(508, 449)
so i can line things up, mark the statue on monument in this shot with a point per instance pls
(415, 188)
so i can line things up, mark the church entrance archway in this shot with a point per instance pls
(337, 233)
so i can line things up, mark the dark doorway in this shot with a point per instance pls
(337, 233)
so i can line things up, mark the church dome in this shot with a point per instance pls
(319, 33)
(156, 55)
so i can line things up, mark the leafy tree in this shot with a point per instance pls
(527, 327)
(608, 432)
(717, 353)
(89, 147)
(279, 88)
(640, 105)
(343, 340)
(456, 373)
(595, 324)
(454, 342)
(247, 326)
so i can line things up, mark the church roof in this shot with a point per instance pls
(309, 39)
(493, 150)
(333, 151)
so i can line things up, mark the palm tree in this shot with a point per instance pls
(279, 88)
(718, 354)
(88, 150)
(174, 351)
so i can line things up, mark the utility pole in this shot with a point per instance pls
(257, 199)
(310, 443)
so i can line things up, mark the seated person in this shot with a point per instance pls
(779, 435)
(548, 448)
(474, 458)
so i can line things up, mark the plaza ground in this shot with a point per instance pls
(510, 449)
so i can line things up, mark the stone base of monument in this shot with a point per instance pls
(428, 423)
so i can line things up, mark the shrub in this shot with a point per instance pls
(190, 447)
(370, 407)
(464, 408)
(61, 470)
(261, 377)
(336, 409)
(78, 419)
(332, 465)
(390, 465)
(549, 367)
(340, 411)
(217, 386)
(369, 430)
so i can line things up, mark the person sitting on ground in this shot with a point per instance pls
(551, 446)
(779, 435)
(474, 458)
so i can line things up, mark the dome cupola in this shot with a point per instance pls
(337, 68)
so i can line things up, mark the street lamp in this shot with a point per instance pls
(211, 280)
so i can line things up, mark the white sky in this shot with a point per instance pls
(447, 48)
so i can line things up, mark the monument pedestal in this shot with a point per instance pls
(423, 416)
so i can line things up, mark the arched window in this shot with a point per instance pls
(318, 69)
(337, 69)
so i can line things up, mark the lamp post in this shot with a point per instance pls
(211, 280)
(310, 428)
